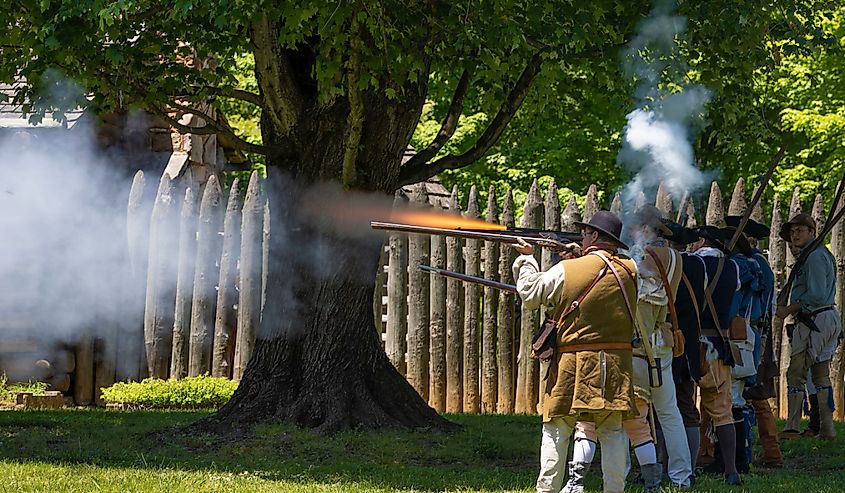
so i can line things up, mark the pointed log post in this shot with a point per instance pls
(83, 381)
(161, 274)
(837, 364)
(549, 258)
(507, 317)
(131, 359)
(419, 293)
(738, 203)
(818, 212)
(379, 287)
(437, 326)
(689, 216)
(528, 380)
(715, 215)
(472, 299)
(454, 318)
(757, 215)
(489, 333)
(225, 315)
(777, 261)
(616, 205)
(105, 354)
(571, 214)
(639, 202)
(265, 254)
(209, 243)
(663, 201)
(249, 299)
(786, 349)
(592, 204)
(184, 287)
(396, 342)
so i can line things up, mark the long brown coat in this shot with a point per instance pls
(584, 382)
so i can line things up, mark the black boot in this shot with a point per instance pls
(727, 445)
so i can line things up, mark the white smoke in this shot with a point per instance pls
(657, 140)
(63, 247)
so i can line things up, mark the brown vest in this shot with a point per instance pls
(586, 382)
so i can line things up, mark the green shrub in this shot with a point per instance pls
(8, 391)
(202, 392)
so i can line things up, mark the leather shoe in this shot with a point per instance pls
(733, 479)
(789, 434)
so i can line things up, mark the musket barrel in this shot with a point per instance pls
(509, 237)
(468, 278)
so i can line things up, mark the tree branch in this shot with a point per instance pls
(273, 73)
(211, 127)
(423, 170)
(450, 124)
(240, 94)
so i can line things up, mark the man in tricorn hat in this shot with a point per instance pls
(589, 377)
(762, 389)
(818, 328)
(716, 315)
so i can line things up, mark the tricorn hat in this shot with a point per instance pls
(742, 243)
(715, 236)
(606, 222)
(797, 220)
(677, 234)
(752, 227)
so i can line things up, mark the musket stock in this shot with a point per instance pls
(556, 240)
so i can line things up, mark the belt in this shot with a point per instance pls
(597, 346)
(823, 309)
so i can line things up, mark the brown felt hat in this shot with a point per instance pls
(649, 215)
(797, 220)
(605, 222)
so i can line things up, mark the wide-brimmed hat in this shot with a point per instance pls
(742, 243)
(715, 236)
(752, 227)
(797, 220)
(605, 222)
(649, 215)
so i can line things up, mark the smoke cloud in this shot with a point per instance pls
(657, 139)
(63, 248)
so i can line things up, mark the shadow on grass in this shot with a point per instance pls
(487, 453)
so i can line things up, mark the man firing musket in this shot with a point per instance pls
(587, 341)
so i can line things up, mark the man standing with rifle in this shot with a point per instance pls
(719, 353)
(818, 326)
(588, 342)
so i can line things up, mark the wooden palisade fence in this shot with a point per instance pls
(195, 268)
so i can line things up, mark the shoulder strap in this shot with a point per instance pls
(643, 340)
(667, 286)
(577, 302)
(695, 306)
(620, 283)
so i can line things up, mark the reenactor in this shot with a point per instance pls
(817, 329)
(588, 342)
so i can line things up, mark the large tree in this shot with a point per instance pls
(341, 87)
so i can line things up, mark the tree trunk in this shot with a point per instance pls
(318, 361)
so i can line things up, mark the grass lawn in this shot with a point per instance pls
(138, 451)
